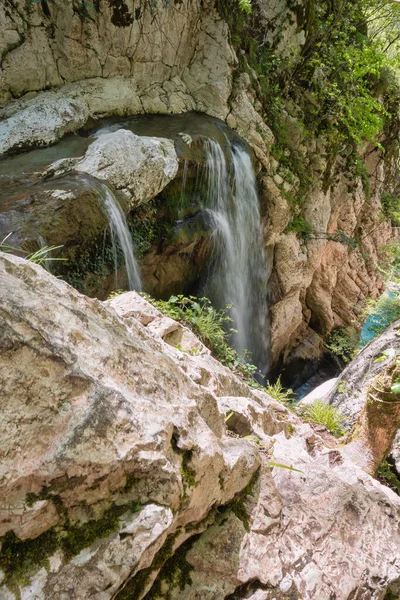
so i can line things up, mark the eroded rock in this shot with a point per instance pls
(42, 123)
(138, 167)
(118, 472)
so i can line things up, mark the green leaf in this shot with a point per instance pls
(395, 389)
(280, 466)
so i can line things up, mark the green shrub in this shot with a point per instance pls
(323, 414)
(389, 478)
(211, 326)
(301, 226)
(391, 208)
(40, 257)
(343, 342)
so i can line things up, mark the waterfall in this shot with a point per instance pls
(120, 234)
(238, 275)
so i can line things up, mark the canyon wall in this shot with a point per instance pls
(64, 63)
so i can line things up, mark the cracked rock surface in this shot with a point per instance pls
(119, 473)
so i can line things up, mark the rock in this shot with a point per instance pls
(64, 212)
(321, 392)
(42, 123)
(89, 408)
(138, 167)
(131, 304)
(119, 477)
(349, 395)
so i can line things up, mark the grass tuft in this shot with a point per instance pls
(323, 414)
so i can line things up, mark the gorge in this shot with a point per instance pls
(237, 163)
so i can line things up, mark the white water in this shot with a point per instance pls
(238, 275)
(120, 235)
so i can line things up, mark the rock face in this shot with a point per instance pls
(350, 392)
(41, 123)
(116, 58)
(137, 167)
(119, 477)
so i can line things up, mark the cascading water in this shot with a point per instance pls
(120, 233)
(238, 273)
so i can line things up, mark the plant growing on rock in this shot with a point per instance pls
(343, 342)
(321, 413)
(211, 326)
(40, 257)
(279, 393)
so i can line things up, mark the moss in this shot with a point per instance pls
(131, 480)
(290, 430)
(148, 225)
(79, 537)
(20, 559)
(238, 504)
(92, 266)
(135, 586)
(187, 472)
(175, 572)
(173, 569)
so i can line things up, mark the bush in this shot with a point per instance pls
(391, 208)
(343, 342)
(211, 326)
(388, 476)
(301, 226)
(323, 414)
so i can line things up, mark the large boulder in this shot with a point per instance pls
(137, 167)
(42, 123)
(107, 445)
(123, 477)
(350, 391)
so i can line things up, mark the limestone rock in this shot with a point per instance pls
(42, 123)
(320, 392)
(119, 430)
(138, 167)
(349, 394)
(117, 466)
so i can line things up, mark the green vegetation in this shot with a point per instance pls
(389, 478)
(391, 207)
(40, 257)
(344, 342)
(389, 263)
(20, 559)
(211, 326)
(340, 86)
(323, 414)
(301, 226)
(278, 392)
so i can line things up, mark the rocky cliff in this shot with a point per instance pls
(135, 466)
(65, 63)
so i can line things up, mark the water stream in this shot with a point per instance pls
(238, 275)
(217, 180)
(120, 235)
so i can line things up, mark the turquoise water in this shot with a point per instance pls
(381, 319)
